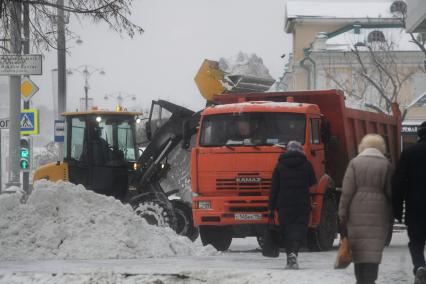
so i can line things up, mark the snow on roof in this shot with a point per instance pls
(420, 101)
(254, 105)
(338, 10)
(397, 36)
(257, 103)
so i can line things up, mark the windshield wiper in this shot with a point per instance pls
(281, 145)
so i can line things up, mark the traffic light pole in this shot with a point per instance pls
(62, 68)
(14, 95)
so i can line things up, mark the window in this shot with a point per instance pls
(315, 131)
(118, 132)
(159, 117)
(78, 127)
(376, 36)
(126, 141)
(252, 128)
(398, 8)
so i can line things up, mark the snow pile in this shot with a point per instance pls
(244, 64)
(66, 221)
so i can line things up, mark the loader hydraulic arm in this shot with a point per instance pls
(163, 139)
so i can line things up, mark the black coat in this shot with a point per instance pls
(291, 180)
(409, 184)
(289, 193)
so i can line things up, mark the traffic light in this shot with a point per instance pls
(25, 154)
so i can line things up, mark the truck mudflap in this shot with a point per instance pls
(229, 210)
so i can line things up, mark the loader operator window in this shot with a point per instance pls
(126, 141)
(252, 128)
(77, 138)
(118, 133)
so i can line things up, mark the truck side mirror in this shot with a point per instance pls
(333, 143)
(325, 131)
(186, 135)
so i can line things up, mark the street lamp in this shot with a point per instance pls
(120, 97)
(86, 71)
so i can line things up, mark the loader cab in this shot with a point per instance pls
(101, 150)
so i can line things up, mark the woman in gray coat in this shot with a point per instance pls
(365, 206)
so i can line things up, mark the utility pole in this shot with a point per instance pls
(86, 87)
(62, 67)
(15, 8)
(26, 26)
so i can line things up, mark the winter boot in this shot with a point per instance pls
(420, 276)
(292, 261)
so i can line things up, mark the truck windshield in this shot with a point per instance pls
(252, 129)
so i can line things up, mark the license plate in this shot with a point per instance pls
(248, 216)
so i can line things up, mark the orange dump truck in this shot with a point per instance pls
(238, 144)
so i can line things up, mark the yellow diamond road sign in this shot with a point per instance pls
(28, 89)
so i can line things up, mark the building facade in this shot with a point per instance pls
(338, 45)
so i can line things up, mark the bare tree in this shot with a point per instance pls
(115, 13)
(420, 41)
(377, 75)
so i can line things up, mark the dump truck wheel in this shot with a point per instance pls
(389, 235)
(260, 241)
(185, 223)
(156, 213)
(219, 237)
(322, 237)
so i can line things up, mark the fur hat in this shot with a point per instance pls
(295, 146)
(372, 141)
(421, 130)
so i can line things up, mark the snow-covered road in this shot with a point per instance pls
(242, 264)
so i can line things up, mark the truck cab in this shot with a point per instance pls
(237, 149)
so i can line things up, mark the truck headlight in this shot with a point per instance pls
(204, 205)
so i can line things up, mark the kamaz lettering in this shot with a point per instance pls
(248, 179)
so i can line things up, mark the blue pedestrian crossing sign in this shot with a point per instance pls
(29, 121)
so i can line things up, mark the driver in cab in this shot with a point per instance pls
(243, 133)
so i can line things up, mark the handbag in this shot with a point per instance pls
(271, 246)
(344, 257)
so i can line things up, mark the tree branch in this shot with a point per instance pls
(376, 108)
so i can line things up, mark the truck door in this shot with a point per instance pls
(316, 153)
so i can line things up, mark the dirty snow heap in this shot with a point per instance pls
(66, 221)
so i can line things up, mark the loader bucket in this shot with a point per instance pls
(209, 78)
(248, 84)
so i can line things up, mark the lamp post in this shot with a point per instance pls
(87, 71)
(120, 97)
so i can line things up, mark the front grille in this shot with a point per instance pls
(232, 184)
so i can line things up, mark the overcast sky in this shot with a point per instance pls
(162, 62)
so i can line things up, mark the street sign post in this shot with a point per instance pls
(28, 89)
(59, 130)
(20, 64)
